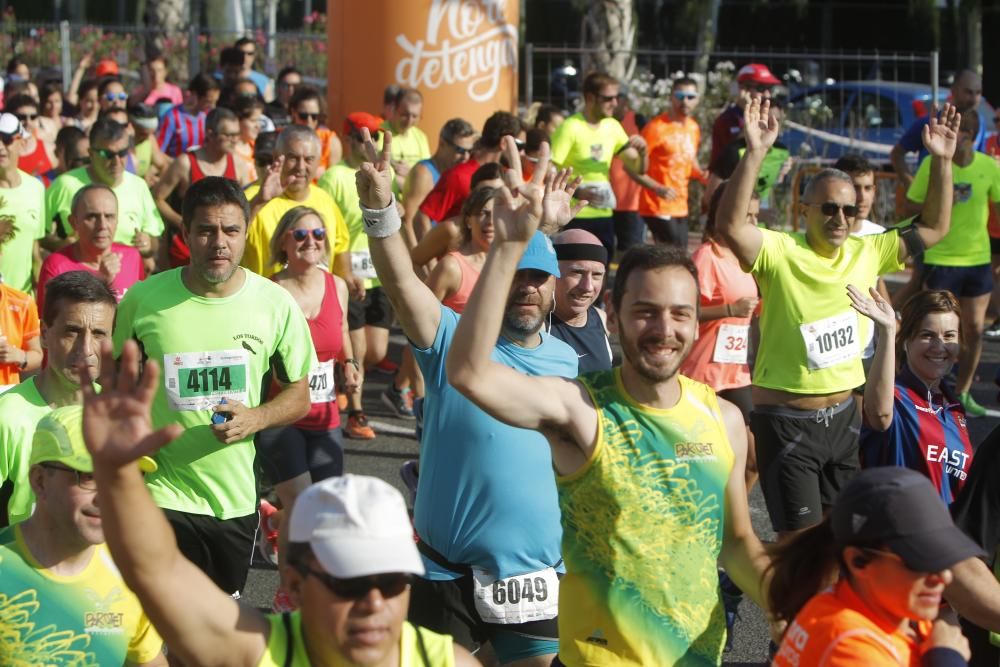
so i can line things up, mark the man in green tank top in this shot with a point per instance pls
(649, 464)
(351, 554)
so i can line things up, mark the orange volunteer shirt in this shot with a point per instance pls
(626, 190)
(673, 162)
(719, 356)
(19, 324)
(835, 629)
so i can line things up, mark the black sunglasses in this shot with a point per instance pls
(26, 116)
(7, 139)
(831, 209)
(604, 99)
(389, 585)
(461, 150)
(107, 153)
(307, 116)
(301, 235)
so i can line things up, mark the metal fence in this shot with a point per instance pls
(53, 50)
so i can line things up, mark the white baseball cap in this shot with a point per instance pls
(9, 124)
(357, 526)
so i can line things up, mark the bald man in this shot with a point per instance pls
(575, 319)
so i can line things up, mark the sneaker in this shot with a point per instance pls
(282, 602)
(357, 427)
(267, 535)
(410, 473)
(972, 408)
(399, 401)
(992, 332)
(387, 366)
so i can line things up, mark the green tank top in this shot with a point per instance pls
(642, 530)
(419, 647)
(143, 157)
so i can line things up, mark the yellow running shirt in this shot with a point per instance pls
(642, 531)
(588, 151)
(811, 339)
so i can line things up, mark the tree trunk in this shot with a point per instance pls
(167, 21)
(972, 23)
(608, 30)
(707, 34)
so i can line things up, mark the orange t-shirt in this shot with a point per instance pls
(673, 161)
(719, 356)
(19, 324)
(836, 629)
(324, 134)
(626, 190)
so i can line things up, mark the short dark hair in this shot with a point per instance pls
(216, 117)
(74, 287)
(286, 70)
(486, 172)
(68, 136)
(13, 64)
(647, 258)
(19, 101)
(266, 146)
(244, 40)
(48, 89)
(683, 81)
(244, 107)
(105, 129)
(201, 83)
(86, 86)
(534, 138)
(409, 95)
(107, 81)
(231, 56)
(213, 191)
(457, 128)
(303, 94)
(854, 163)
(595, 81)
(546, 112)
(497, 126)
(390, 94)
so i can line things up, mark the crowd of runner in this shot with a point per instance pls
(196, 282)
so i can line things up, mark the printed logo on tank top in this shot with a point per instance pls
(597, 152)
(695, 451)
(246, 345)
(100, 619)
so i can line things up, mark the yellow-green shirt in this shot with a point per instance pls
(439, 648)
(643, 524)
(976, 185)
(588, 151)
(811, 338)
(26, 204)
(257, 256)
(339, 182)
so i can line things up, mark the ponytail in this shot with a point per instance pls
(801, 566)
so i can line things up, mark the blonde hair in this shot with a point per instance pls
(287, 222)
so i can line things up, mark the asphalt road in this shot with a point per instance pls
(395, 444)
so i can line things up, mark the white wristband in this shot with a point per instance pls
(383, 222)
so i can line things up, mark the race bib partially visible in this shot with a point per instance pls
(199, 380)
(361, 264)
(602, 195)
(321, 384)
(731, 343)
(526, 597)
(832, 341)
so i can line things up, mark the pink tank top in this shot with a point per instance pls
(470, 275)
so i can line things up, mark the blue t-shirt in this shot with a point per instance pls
(487, 495)
(913, 141)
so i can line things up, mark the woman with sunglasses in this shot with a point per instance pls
(911, 416)
(306, 108)
(311, 449)
(456, 274)
(37, 156)
(864, 586)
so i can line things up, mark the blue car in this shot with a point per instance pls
(866, 117)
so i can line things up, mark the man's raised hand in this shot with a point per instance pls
(557, 208)
(940, 135)
(760, 128)
(117, 423)
(374, 178)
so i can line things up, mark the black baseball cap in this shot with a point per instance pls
(900, 509)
